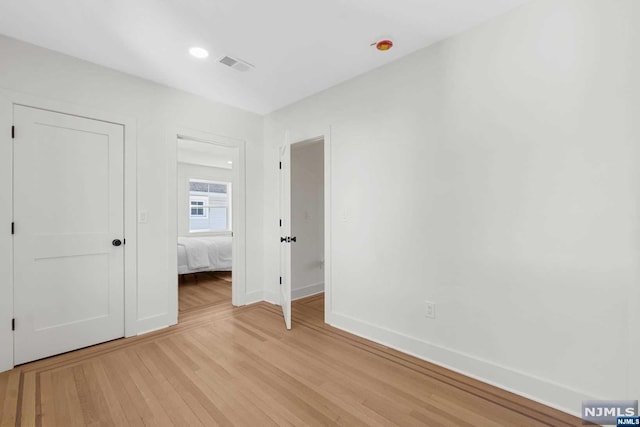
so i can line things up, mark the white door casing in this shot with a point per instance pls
(285, 233)
(68, 209)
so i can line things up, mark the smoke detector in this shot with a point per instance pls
(235, 63)
(383, 45)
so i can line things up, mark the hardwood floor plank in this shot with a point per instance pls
(28, 410)
(239, 366)
(204, 289)
(201, 411)
(232, 375)
(132, 399)
(90, 403)
(166, 397)
(112, 413)
(10, 403)
(213, 406)
(220, 385)
(59, 414)
(74, 407)
(47, 403)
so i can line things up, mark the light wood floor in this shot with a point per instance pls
(239, 366)
(201, 290)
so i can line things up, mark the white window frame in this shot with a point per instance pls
(205, 206)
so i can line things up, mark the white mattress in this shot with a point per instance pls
(211, 253)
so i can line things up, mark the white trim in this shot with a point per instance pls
(534, 388)
(6, 240)
(152, 323)
(131, 229)
(7, 99)
(188, 163)
(328, 292)
(238, 211)
(307, 291)
(254, 297)
(157, 328)
(271, 297)
(633, 367)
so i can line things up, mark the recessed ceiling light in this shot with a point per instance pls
(230, 162)
(199, 52)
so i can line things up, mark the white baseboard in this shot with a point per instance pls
(153, 330)
(153, 323)
(271, 297)
(529, 386)
(307, 291)
(253, 297)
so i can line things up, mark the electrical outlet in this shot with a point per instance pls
(430, 309)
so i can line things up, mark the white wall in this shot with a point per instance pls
(156, 109)
(188, 171)
(511, 183)
(307, 219)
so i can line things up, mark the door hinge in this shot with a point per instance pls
(124, 241)
(281, 280)
(280, 165)
(13, 228)
(280, 223)
(13, 132)
(13, 324)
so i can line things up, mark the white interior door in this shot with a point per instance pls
(285, 233)
(68, 213)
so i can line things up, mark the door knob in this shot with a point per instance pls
(293, 239)
(283, 239)
(116, 242)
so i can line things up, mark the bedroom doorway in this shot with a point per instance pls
(206, 192)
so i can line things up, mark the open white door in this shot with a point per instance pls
(69, 226)
(285, 233)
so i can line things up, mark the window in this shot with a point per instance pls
(198, 207)
(209, 206)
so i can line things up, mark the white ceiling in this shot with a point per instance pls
(299, 47)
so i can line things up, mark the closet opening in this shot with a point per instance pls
(308, 225)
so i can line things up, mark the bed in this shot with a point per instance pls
(207, 253)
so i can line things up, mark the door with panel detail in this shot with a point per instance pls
(285, 233)
(69, 226)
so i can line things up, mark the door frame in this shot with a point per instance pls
(238, 210)
(324, 135)
(8, 99)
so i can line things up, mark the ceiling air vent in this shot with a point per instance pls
(236, 64)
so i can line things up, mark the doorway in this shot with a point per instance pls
(307, 219)
(304, 225)
(206, 192)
